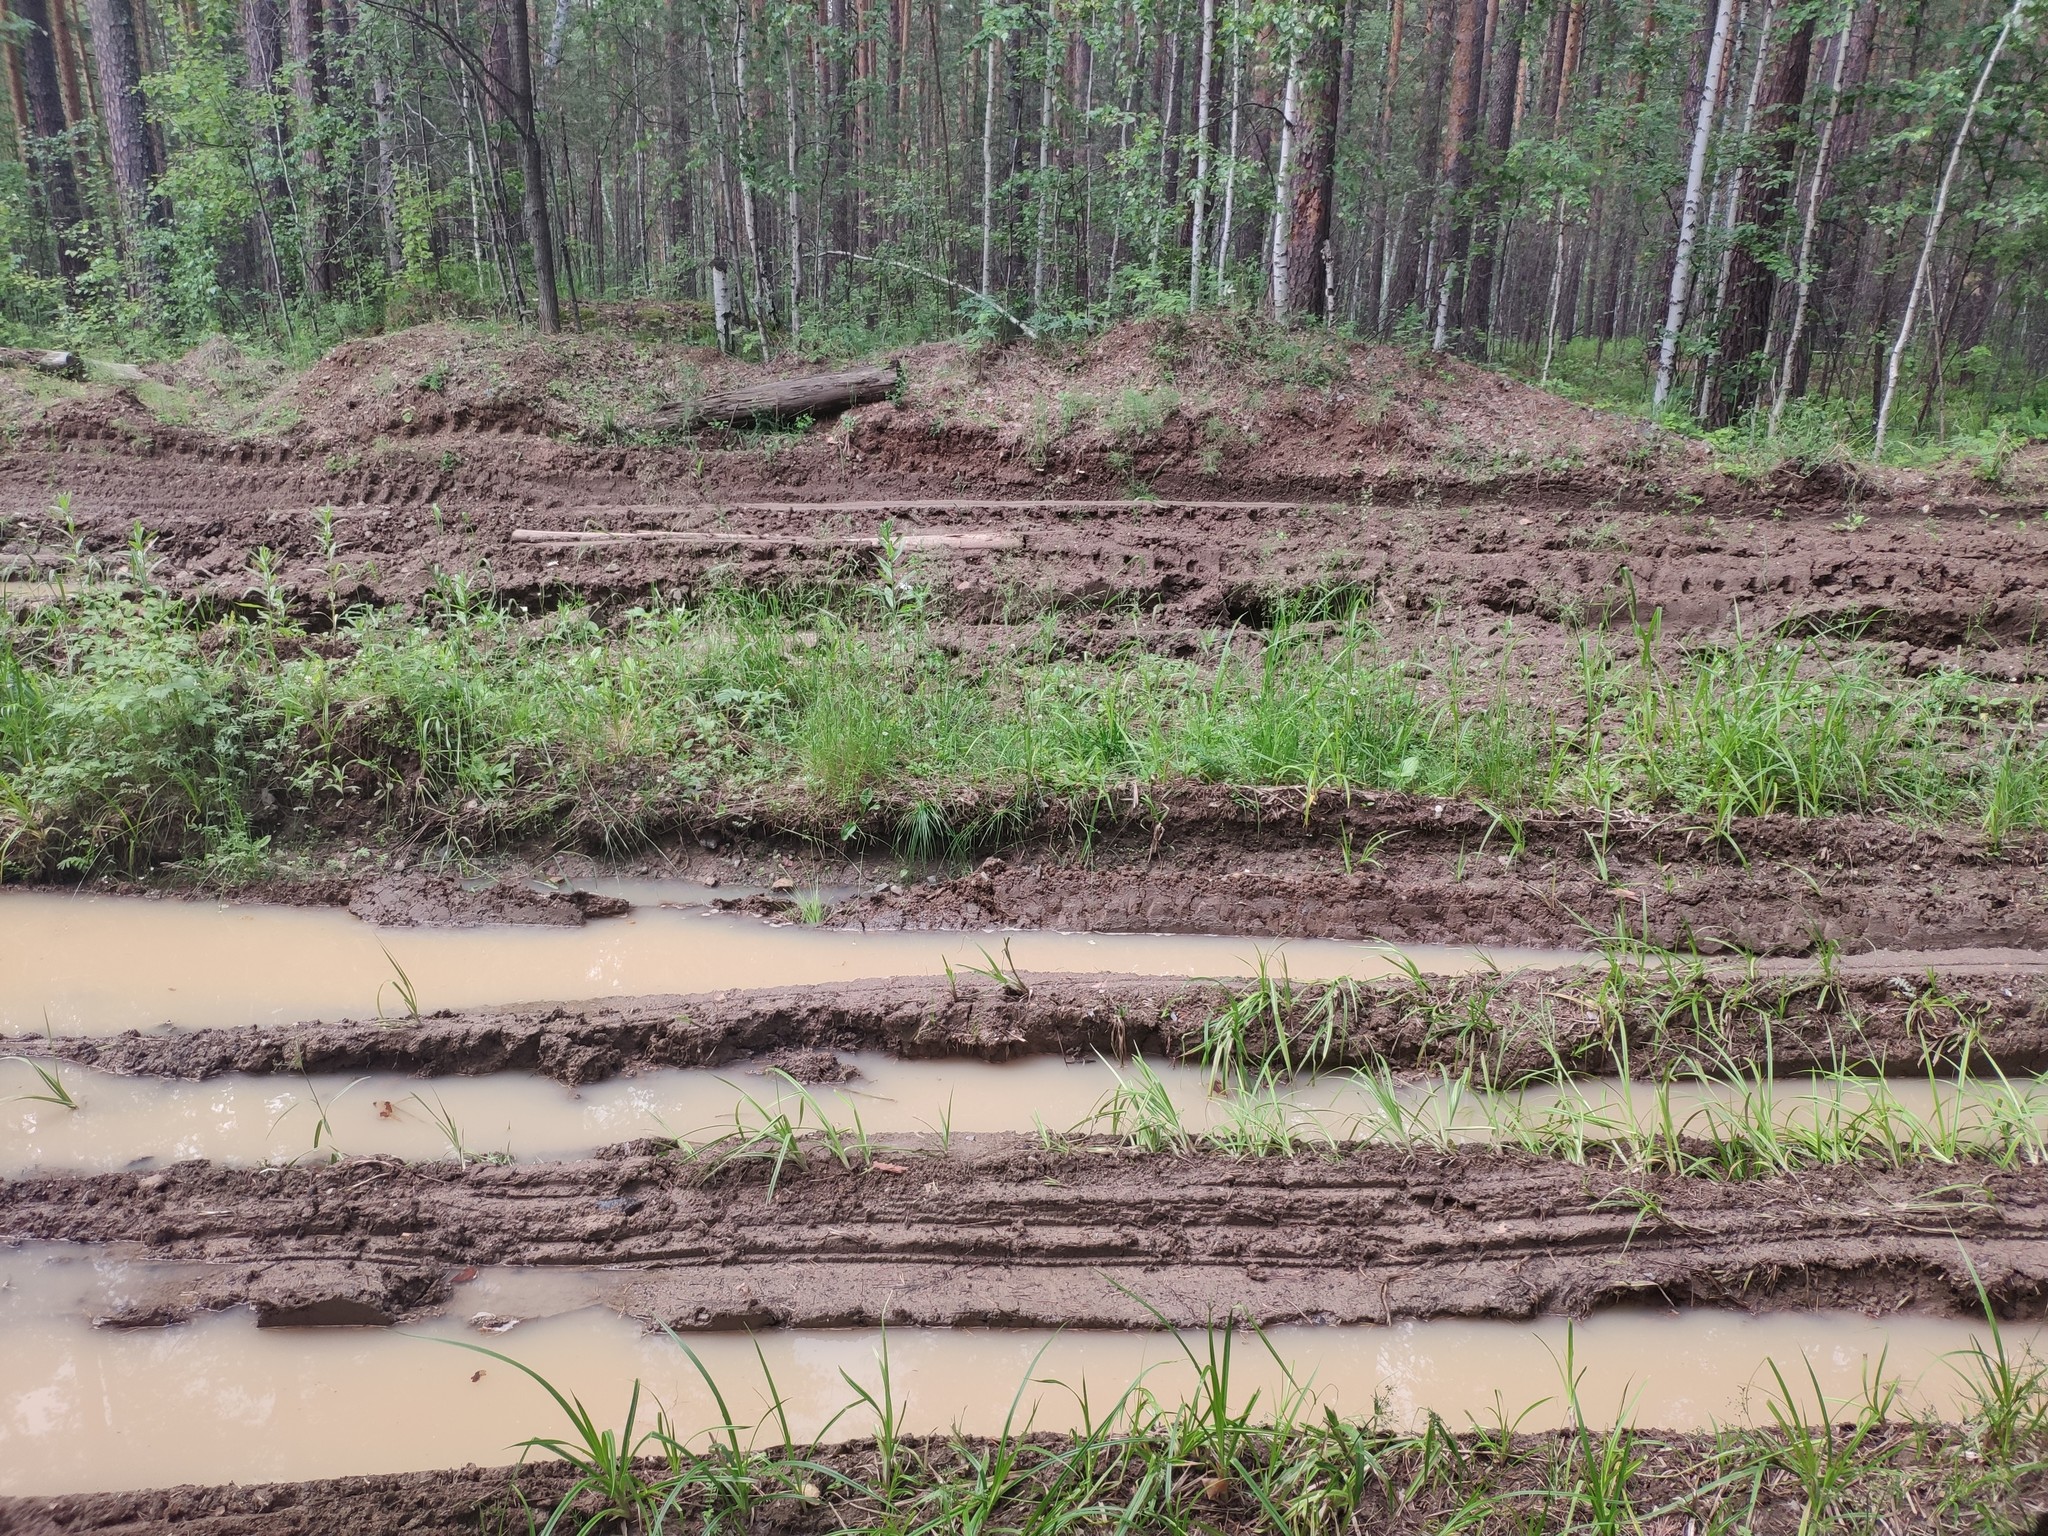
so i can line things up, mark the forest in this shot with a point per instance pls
(1791, 216)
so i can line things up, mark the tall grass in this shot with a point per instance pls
(1226, 1458)
(132, 731)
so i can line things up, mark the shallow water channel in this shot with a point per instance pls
(131, 1122)
(218, 1400)
(99, 964)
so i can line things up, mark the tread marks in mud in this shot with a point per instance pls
(1374, 1235)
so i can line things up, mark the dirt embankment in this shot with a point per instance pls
(1194, 473)
(998, 1230)
(1897, 1018)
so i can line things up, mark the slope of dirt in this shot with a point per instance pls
(1900, 1017)
(998, 1230)
(1196, 473)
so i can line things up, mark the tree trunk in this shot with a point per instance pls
(309, 92)
(812, 394)
(387, 173)
(130, 153)
(1802, 268)
(1198, 233)
(1689, 210)
(678, 210)
(834, 47)
(1042, 193)
(533, 170)
(1283, 189)
(1500, 124)
(64, 38)
(1418, 224)
(1227, 225)
(988, 166)
(1948, 176)
(43, 107)
(794, 209)
(1760, 219)
(1467, 63)
(1315, 176)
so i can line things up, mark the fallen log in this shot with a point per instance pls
(61, 365)
(813, 394)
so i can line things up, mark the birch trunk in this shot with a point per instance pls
(1283, 177)
(1816, 192)
(1689, 211)
(1948, 176)
(1198, 241)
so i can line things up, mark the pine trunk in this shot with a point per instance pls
(130, 154)
(1760, 229)
(43, 109)
(1315, 177)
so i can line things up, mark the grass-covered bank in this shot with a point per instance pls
(136, 729)
(1233, 1460)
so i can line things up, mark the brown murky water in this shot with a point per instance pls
(219, 1400)
(99, 965)
(124, 1122)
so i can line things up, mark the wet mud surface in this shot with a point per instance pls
(1890, 1013)
(997, 1230)
(1201, 859)
(1205, 859)
(1516, 557)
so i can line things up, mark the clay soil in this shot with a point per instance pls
(1159, 484)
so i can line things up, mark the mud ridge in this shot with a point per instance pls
(1899, 1020)
(999, 1230)
(1203, 859)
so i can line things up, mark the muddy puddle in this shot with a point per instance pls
(129, 1122)
(99, 965)
(219, 1400)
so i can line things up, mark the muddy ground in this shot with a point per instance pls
(1157, 485)
(996, 1230)
(1211, 860)
(1187, 475)
(1203, 858)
